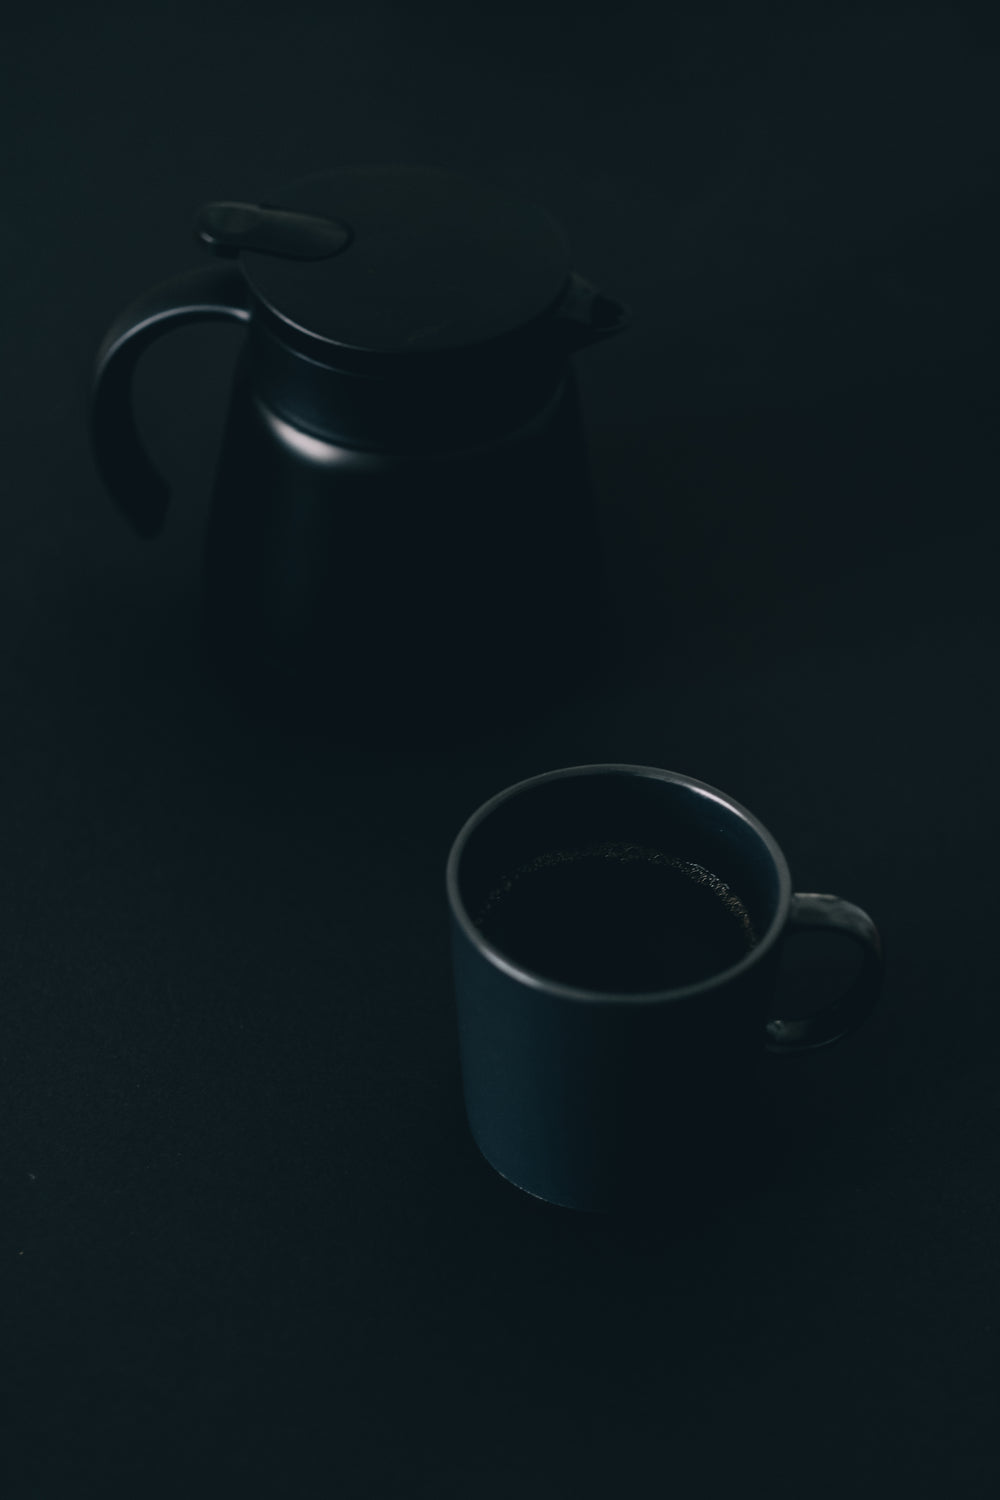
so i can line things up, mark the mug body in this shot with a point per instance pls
(592, 1099)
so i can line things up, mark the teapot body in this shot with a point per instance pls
(452, 572)
(402, 534)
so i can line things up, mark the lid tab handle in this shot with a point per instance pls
(228, 228)
(586, 316)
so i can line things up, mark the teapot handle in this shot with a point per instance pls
(204, 295)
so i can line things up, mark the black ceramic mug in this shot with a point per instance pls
(616, 932)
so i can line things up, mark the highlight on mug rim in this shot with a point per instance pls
(529, 977)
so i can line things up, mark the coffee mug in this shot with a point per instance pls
(616, 933)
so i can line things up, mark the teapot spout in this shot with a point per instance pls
(586, 316)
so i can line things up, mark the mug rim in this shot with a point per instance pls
(533, 980)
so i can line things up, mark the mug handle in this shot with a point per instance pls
(812, 913)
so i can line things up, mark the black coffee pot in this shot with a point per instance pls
(402, 520)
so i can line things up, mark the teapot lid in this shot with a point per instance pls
(393, 261)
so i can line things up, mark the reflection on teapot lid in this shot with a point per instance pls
(394, 260)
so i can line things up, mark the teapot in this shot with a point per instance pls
(402, 521)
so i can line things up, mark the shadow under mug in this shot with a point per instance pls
(594, 1099)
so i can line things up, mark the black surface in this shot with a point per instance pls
(248, 1246)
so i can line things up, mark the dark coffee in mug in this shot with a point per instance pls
(617, 917)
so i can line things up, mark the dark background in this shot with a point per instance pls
(248, 1245)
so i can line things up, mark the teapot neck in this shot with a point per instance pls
(450, 401)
